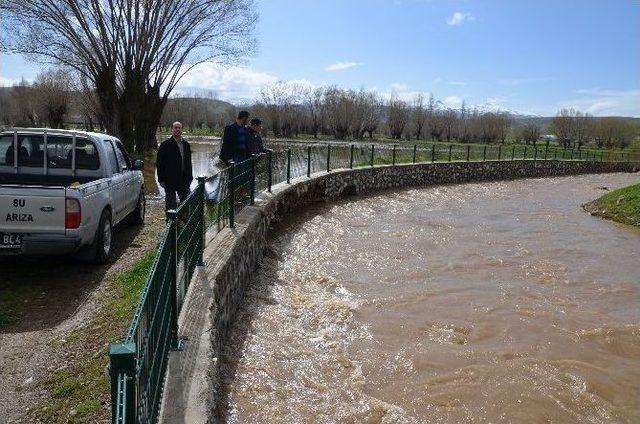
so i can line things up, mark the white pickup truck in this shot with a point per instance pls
(62, 192)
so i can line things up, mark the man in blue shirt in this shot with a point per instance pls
(235, 141)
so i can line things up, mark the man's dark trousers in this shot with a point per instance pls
(170, 201)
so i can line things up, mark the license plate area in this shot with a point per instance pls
(10, 241)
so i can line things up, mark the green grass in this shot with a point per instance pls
(12, 302)
(80, 391)
(621, 205)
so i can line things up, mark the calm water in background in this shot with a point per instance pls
(496, 302)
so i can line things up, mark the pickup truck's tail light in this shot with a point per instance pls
(72, 214)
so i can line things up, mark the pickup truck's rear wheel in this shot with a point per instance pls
(137, 216)
(101, 247)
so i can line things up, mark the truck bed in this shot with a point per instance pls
(43, 180)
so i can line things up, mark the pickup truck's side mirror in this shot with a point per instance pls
(138, 165)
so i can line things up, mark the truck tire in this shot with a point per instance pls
(137, 216)
(102, 243)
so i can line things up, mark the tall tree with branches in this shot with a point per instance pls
(134, 52)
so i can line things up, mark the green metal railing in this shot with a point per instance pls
(138, 364)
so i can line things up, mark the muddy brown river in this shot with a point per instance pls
(496, 302)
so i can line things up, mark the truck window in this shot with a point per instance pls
(111, 152)
(123, 160)
(6, 150)
(30, 150)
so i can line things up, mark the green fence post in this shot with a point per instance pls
(351, 157)
(484, 153)
(535, 153)
(572, 151)
(433, 153)
(289, 165)
(513, 152)
(122, 360)
(270, 170)
(468, 151)
(232, 194)
(393, 155)
(252, 199)
(201, 181)
(450, 146)
(372, 150)
(546, 151)
(524, 155)
(415, 149)
(308, 161)
(499, 151)
(328, 157)
(172, 218)
(555, 154)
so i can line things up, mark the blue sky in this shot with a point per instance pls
(527, 56)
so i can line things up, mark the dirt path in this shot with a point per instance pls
(56, 296)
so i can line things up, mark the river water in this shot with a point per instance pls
(498, 302)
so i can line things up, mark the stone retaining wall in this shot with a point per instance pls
(233, 255)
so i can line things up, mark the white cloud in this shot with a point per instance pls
(233, 83)
(603, 102)
(521, 81)
(341, 66)
(453, 102)
(460, 17)
(400, 91)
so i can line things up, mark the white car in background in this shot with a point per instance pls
(62, 192)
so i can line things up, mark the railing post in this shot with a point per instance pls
(484, 153)
(308, 161)
(572, 151)
(252, 200)
(499, 151)
(450, 146)
(513, 152)
(172, 218)
(201, 181)
(524, 155)
(468, 151)
(328, 157)
(415, 150)
(372, 152)
(232, 194)
(289, 165)
(122, 360)
(351, 157)
(546, 151)
(433, 153)
(270, 171)
(555, 153)
(393, 155)
(535, 153)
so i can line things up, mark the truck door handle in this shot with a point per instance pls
(47, 209)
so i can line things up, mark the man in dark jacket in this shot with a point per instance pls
(235, 141)
(174, 167)
(256, 145)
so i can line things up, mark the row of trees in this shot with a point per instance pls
(292, 109)
(572, 127)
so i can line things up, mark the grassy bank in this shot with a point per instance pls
(621, 205)
(79, 391)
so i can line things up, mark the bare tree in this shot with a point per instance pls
(418, 116)
(562, 126)
(133, 52)
(530, 133)
(397, 118)
(53, 91)
(24, 105)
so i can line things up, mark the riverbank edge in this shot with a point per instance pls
(621, 205)
(194, 390)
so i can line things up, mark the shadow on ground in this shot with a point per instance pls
(40, 293)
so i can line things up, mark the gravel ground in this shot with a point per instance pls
(66, 294)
